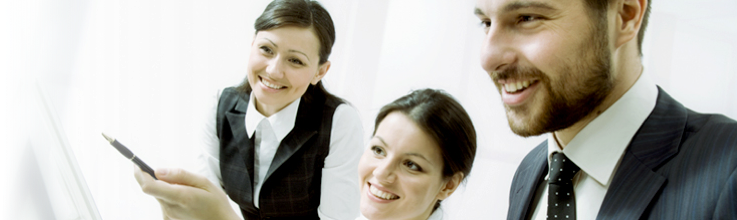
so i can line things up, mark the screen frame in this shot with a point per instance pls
(67, 189)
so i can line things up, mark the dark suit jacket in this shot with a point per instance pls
(292, 184)
(679, 165)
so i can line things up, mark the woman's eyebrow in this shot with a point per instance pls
(272, 42)
(381, 139)
(297, 51)
(419, 155)
(291, 50)
(408, 154)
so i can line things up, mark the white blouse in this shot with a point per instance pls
(339, 197)
(436, 215)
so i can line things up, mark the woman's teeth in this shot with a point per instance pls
(267, 84)
(516, 86)
(382, 194)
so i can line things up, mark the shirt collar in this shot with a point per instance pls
(436, 215)
(282, 122)
(597, 148)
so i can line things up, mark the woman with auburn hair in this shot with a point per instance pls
(422, 148)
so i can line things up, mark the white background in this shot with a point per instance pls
(143, 70)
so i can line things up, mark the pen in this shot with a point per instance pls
(128, 154)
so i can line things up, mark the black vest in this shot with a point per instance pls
(292, 184)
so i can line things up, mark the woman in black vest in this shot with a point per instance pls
(279, 145)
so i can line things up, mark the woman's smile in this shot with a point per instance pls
(382, 194)
(401, 171)
(282, 65)
(271, 85)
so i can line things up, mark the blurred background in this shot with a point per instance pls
(144, 71)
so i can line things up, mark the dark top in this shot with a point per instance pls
(292, 185)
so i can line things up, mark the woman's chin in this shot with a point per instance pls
(266, 99)
(374, 215)
(372, 212)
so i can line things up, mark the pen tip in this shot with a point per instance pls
(109, 139)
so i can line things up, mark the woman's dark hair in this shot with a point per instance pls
(299, 13)
(444, 119)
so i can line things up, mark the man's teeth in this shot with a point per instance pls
(270, 85)
(382, 194)
(516, 86)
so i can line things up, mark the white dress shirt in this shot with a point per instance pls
(268, 138)
(339, 195)
(598, 148)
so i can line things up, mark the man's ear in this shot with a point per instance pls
(321, 71)
(630, 14)
(450, 186)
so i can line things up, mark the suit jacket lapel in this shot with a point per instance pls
(291, 144)
(304, 128)
(236, 119)
(529, 176)
(635, 183)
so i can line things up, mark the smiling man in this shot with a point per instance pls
(618, 146)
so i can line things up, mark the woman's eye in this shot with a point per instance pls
(378, 150)
(266, 49)
(412, 166)
(296, 61)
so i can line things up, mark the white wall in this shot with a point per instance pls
(143, 70)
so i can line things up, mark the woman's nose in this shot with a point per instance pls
(274, 68)
(497, 52)
(384, 173)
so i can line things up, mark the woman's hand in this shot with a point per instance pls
(184, 195)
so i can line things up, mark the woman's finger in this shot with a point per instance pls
(172, 194)
(137, 173)
(183, 177)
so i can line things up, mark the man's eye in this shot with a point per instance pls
(485, 23)
(527, 18)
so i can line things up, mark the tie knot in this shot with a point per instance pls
(562, 170)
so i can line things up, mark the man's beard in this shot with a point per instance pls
(577, 92)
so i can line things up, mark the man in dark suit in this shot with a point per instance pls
(618, 147)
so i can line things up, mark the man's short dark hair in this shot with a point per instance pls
(598, 9)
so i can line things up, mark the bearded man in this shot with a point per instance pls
(618, 147)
